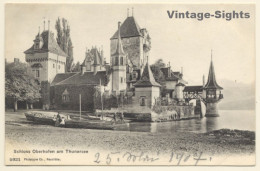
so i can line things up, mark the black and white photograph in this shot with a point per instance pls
(129, 84)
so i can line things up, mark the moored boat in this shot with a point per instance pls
(89, 124)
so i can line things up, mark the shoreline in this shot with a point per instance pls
(218, 142)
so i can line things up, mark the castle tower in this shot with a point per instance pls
(45, 57)
(118, 61)
(136, 42)
(147, 90)
(213, 93)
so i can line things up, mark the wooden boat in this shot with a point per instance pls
(29, 116)
(89, 124)
(49, 118)
(92, 117)
(42, 117)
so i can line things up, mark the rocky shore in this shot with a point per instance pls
(219, 142)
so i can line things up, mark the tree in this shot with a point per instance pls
(157, 73)
(20, 85)
(76, 67)
(64, 41)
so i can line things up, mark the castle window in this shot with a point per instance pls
(121, 61)
(53, 65)
(134, 75)
(116, 61)
(59, 66)
(37, 45)
(88, 66)
(37, 73)
(65, 96)
(142, 101)
(121, 79)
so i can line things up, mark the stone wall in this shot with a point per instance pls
(87, 96)
(182, 111)
(132, 47)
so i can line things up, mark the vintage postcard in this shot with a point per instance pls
(130, 84)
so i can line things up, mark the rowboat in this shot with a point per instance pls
(89, 124)
(49, 118)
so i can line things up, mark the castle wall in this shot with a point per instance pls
(170, 85)
(119, 73)
(38, 58)
(55, 67)
(133, 47)
(47, 60)
(87, 93)
(150, 94)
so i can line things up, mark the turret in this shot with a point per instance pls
(119, 66)
(213, 92)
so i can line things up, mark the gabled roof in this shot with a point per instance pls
(212, 83)
(88, 78)
(193, 89)
(49, 45)
(147, 79)
(172, 76)
(129, 28)
(93, 55)
(61, 76)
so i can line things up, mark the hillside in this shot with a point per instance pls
(237, 96)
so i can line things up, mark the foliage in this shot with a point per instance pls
(19, 84)
(157, 73)
(76, 67)
(64, 41)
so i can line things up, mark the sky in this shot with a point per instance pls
(184, 43)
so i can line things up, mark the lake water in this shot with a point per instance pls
(231, 119)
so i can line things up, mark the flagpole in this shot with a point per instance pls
(79, 106)
(101, 98)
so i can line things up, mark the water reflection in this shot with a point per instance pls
(244, 120)
(211, 124)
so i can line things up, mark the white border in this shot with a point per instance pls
(115, 168)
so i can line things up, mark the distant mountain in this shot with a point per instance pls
(237, 96)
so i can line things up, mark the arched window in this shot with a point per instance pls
(121, 61)
(116, 60)
(89, 66)
(142, 101)
(65, 96)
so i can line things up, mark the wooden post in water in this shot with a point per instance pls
(101, 100)
(79, 106)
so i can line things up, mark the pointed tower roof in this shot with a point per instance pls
(129, 28)
(147, 79)
(212, 83)
(119, 47)
(49, 45)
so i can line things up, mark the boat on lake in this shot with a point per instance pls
(50, 118)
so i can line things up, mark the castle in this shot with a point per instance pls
(128, 73)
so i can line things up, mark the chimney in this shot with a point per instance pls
(48, 25)
(181, 70)
(16, 60)
(83, 69)
(203, 80)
